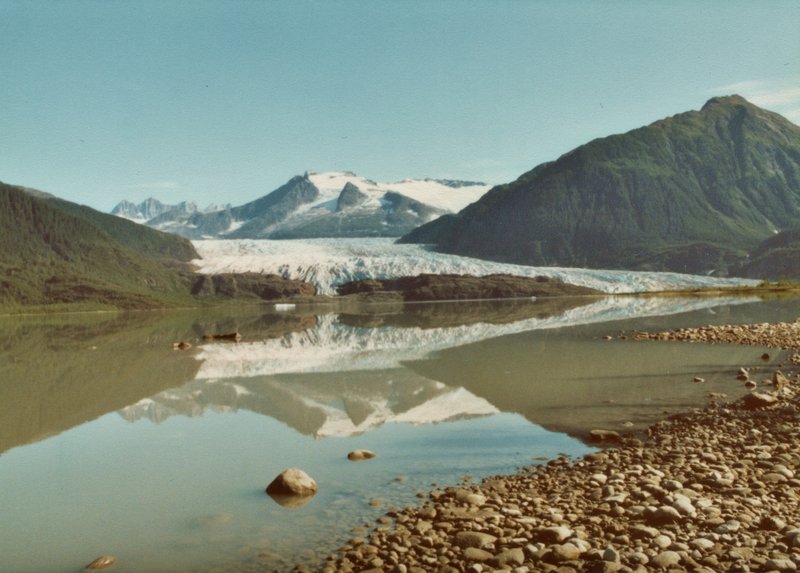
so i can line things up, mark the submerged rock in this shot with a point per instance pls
(361, 455)
(291, 501)
(102, 562)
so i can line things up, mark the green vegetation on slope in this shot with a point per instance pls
(55, 252)
(716, 182)
(164, 246)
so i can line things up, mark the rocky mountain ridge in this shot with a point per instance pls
(153, 209)
(335, 204)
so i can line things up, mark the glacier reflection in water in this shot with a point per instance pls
(333, 344)
(186, 493)
(324, 381)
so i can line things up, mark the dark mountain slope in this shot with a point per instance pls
(270, 209)
(776, 258)
(53, 251)
(397, 215)
(716, 181)
(143, 240)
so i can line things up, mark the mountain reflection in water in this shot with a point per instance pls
(438, 390)
(322, 371)
(60, 371)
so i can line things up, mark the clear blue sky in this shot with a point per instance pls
(224, 101)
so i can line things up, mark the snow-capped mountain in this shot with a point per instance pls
(336, 204)
(443, 194)
(327, 263)
(319, 406)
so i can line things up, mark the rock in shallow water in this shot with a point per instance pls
(361, 455)
(292, 481)
(102, 562)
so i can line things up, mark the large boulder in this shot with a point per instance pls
(293, 482)
(756, 400)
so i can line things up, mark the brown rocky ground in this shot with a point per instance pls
(713, 489)
(426, 287)
(256, 285)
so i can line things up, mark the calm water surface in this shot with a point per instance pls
(113, 443)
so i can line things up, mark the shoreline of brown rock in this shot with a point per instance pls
(781, 335)
(712, 489)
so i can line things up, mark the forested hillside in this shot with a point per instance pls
(692, 193)
(53, 252)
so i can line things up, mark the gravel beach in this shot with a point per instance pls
(712, 489)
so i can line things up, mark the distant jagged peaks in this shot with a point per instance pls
(152, 208)
(690, 193)
(457, 183)
(331, 204)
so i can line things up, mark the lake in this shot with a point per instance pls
(111, 442)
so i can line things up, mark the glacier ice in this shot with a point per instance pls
(327, 263)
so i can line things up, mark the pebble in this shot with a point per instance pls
(666, 559)
(474, 539)
(475, 554)
(780, 565)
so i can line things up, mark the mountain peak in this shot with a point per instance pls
(351, 196)
(729, 100)
(690, 193)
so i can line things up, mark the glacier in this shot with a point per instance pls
(328, 263)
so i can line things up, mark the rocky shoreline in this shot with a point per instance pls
(782, 335)
(713, 489)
